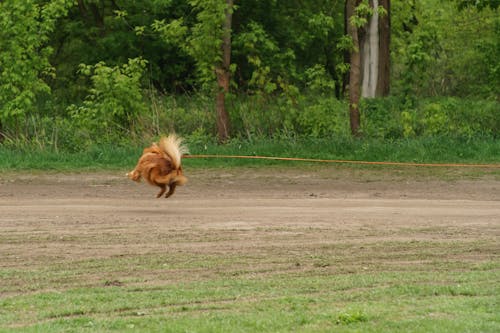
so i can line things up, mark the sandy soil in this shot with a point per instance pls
(59, 218)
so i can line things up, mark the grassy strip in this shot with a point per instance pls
(426, 297)
(429, 150)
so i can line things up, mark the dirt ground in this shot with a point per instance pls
(60, 218)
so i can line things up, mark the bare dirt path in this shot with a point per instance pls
(59, 218)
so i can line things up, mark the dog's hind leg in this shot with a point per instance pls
(163, 189)
(171, 189)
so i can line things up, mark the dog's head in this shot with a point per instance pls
(134, 175)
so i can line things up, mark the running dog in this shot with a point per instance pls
(160, 165)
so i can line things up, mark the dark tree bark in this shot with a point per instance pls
(369, 59)
(355, 69)
(223, 73)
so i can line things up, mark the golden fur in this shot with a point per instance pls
(160, 165)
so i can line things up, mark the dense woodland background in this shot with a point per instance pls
(74, 74)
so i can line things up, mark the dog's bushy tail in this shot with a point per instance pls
(173, 148)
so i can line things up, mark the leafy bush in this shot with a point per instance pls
(182, 114)
(324, 117)
(114, 102)
(384, 118)
(391, 118)
(25, 27)
(286, 116)
(258, 116)
(119, 115)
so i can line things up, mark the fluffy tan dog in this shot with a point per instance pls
(160, 165)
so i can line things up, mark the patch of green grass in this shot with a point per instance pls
(97, 158)
(391, 286)
(430, 150)
(423, 150)
(386, 302)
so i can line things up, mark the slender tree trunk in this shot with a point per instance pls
(375, 52)
(369, 57)
(370, 54)
(223, 73)
(355, 69)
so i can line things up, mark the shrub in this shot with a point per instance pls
(323, 117)
(391, 118)
(106, 118)
(384, 118)
(114, 102)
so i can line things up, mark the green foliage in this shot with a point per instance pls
(287, 66)
(281, 117)
(384, 118)
(276, 42)
(113, 113)
(362, 12)
(415, 48)
(114, 101)
(204, 44)
(324, 117)
(480, 4)
(172, 33)
(260, 50)
(439, 49)
(434, 45)
(391, 118)
(475, 68)
(318, 80)
(25, 29)
(347, 318)
(181, 114)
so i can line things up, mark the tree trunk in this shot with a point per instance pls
(375, 52)
(384, 26)
(355, 69)
(370, 54)
(223, 73)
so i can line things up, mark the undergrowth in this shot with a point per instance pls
(395, 129)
